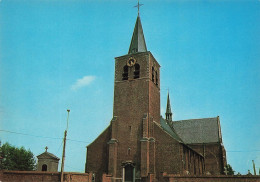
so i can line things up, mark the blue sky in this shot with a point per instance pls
(59, 54)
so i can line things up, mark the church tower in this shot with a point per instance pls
(139, 145)
(136, 107)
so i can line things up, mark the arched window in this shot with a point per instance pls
(128, 151)
(44, 167)
(125, 73)
(156, 78)
(137, 71)
(153, 74)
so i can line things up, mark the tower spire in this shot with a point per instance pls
(168, 113)
(137, 42)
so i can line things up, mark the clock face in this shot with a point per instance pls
(131, 61)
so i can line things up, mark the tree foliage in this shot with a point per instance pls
(230, 170)
(14, 158)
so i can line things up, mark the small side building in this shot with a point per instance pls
(47, 162)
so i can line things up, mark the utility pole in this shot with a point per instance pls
(64, 146)
(254, 167)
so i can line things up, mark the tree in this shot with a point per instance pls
(230, 170)
(14, 158)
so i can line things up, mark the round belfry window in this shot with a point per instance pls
(44, 167)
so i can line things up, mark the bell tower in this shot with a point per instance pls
(136, 107)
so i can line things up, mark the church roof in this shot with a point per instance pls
(166, 127)
(47, 155)
(195, 131)
(137, 43)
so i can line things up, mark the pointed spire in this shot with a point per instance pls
(137, 42)
(168, 113)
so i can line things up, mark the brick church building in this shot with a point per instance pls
(139, 144)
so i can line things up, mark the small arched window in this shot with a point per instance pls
(153, 74)
(125, 73)
(128, 151)
(137, 71)
(44, 167)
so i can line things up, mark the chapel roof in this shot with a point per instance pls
(47, 155)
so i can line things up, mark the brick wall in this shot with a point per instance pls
(168, 157)
(214, 161)
(97, 155)
(221, 178)
(37, 176)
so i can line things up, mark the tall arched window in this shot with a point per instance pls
(153, 74)
(125, 73)
(137, 71)
(156, 78)
(44, 167)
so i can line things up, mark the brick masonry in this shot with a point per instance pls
(210, 178)
(37, 176)
(134, 137)
(215, 157)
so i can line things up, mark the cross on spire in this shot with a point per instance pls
(138, 6)
(46, 148)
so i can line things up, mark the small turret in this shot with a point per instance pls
(168, 114)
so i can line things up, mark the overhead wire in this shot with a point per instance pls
(73, 140)
(54, 138)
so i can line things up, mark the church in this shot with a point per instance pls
(139, 144)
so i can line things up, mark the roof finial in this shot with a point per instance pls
(138, 6)
(46, 148)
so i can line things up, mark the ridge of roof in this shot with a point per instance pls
(197, 119)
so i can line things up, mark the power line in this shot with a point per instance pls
(78, 141)
(13, 132)
(244, 151)
(38, 136)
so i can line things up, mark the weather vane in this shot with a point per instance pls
(138, 6)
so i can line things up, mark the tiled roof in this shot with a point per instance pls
(193, 131)
(169, 130)
(48, 155)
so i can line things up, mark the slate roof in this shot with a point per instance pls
(47, 155)
(137, 43)
(170, 130)
(195, 131)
